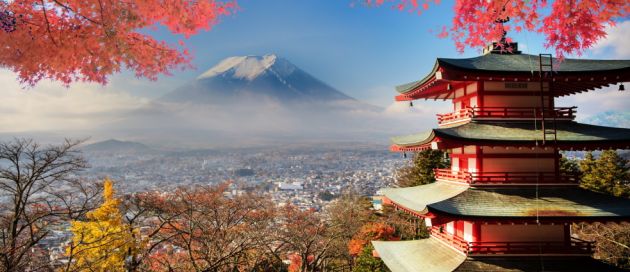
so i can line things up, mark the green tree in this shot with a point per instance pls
(607, 174)
(366, 262)
(420, 171)
(570, 166)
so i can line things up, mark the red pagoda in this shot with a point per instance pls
(504, 204)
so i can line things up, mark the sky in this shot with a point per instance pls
(362, 51)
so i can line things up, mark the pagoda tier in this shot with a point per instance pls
(569, 136)
(497, 221)
(517, 73)
(441, 202)
(434, 255)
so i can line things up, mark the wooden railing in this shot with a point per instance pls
(574, 247)
(564, 113)
(481, 178)
(453, 175)
(452, 240)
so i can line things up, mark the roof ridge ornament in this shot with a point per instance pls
(502, 46)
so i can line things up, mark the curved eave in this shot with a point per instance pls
(570, 77)
(531, 202)
(428, 254)
(408, 87)
(415, 199)
(570, 135)
(413, 142)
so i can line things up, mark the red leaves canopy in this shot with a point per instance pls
(88, 40)
(569, 26)
(368, 233)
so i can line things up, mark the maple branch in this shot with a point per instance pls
(47, 23)
(74, 12)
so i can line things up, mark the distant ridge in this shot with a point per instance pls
(114, 145)
(252, 78)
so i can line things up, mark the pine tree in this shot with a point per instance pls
(420, 172)
(103, 241)
(570, 166)
(368, 263)
(608, 174)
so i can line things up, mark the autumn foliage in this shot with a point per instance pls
(370, 232)
(88, 40)
(102, 241)
(569, 26)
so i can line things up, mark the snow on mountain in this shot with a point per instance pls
(254, 78)
(248, 67)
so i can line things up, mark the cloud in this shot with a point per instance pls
(616, 41)
(594, 102)
(52, 107)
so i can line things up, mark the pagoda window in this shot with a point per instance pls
(522, 233)
(458, 105)
(471, 88)
(470, 149)
(518, 165)
(455, 164)
(508, 101)
(473, 102)
(468, 231)
(472, 165)
(459, 229)
(450, 228)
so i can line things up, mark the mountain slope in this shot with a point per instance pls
(252, 78)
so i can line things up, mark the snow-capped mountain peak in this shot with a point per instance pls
(236, 79)
(248, 67)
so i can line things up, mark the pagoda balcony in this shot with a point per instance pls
(498, 178)
(501, 113)
(574, 246)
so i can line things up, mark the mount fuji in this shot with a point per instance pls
(254, 100)
(255, 78)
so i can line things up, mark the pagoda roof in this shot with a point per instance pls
(417, 198)
(569, 134)
(419, 255)
(543, 202)
(523, 67)
(537, 263)
(515, 202)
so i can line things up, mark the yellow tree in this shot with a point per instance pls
(102, 242)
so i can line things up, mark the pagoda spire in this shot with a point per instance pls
(502, 46)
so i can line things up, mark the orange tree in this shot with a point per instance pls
(369, 232)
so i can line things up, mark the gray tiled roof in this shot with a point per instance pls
(520, 132)
(418, 197)
(523, 202)
(418, 255)
(528, 63)
(537, 263)
(518, 63)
